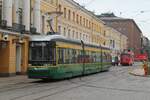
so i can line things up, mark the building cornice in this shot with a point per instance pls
(72, 2)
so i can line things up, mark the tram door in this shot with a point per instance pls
(18, 58)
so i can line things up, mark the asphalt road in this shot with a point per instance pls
(116, 84)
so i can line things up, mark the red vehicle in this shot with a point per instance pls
(141, 57)
(126, 59)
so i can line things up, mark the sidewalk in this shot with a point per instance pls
(138, 70)
(6, 81)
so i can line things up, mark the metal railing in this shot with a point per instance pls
(18, 27)
(3, 24)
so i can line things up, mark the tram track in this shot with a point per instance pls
(116, 89)
(46, 90)
(64, 90)
(87, 84)
(25, 85)
(12, 88)
(120, 74)
(40, 89)
(80, 83)
(14, 84)
(33, 93)
(36, 92)
(115, 73)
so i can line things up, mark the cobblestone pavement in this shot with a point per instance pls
(116, 84)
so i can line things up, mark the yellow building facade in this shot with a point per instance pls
(13, 44)
(116, 41)
(13, 53)
(76, 22)
(65, 17)
(79, 23)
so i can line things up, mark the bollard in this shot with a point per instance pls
(145, 66)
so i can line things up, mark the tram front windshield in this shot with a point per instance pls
(42, 53)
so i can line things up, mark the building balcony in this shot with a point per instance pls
(3, 24)
(18, 27)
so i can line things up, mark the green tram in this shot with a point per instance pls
(56, 57)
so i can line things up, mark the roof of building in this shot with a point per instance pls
(112, 18)
(116, 19)
(82, 8)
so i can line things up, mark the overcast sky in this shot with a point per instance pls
(139, 10)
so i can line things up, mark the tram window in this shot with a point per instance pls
(106, 59)
(46, 54)
(68, 57)
(73, 56)
(94, 56)
(103, 57)
(109, 57)
(98, 57)
(42, 53)
(36, 53)
(60, 55)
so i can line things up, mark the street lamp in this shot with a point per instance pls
(101, 55)
(83, 56)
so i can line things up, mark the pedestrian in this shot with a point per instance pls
(113, 61)
(116, 60)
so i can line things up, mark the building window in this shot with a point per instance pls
(84, 21)
(1, 9)
(64, 31)
(99, 29)
(76, 35)
(69, 14)
(92, 26)
(43, 23)
(73, 34)
(52, 1)
(64, 12)
(104, 33)
(80, 36)
(59, 8)
(89, 24)
(80, 20)
(87, 37)
(84, 37)
(59, 29)
(69, 33)
(74, 16)
(104, 43)
(77, 19)
(113, 43)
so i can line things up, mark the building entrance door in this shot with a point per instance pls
(18, 59)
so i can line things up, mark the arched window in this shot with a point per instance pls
(64, 12)
(59, 8)
(69, 14)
